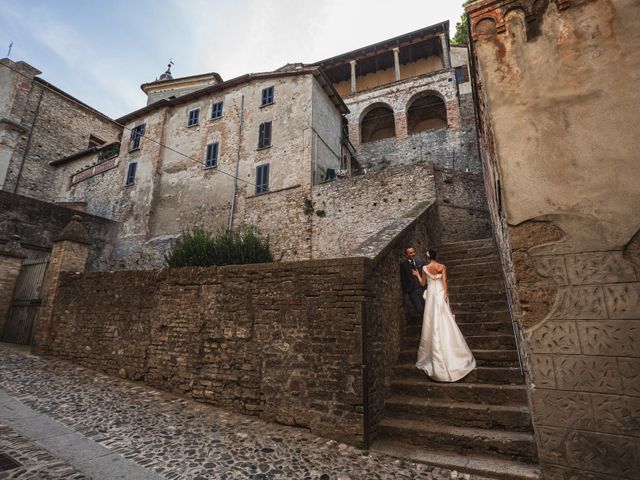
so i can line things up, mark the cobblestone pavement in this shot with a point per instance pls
(173, 437)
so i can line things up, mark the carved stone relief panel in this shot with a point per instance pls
(630, 373)
(617, 414)
(552, 440)
(563, 409)
(588, 374)
(552, 472)
(610, 337)
(554, 336)
(598, 452)
(579, 303)
(542, 371)
(598, 268)
(552, 266)
(623, 300)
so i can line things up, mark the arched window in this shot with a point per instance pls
(427, 112)
(377, 123)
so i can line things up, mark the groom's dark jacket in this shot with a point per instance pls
(409, 282)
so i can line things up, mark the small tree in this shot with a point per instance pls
(462, 30)
(198, 247)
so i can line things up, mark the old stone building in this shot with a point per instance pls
(318, 156)
(40, 123)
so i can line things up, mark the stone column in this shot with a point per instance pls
(396, 62)
(353, 76)
(446, 58)
(11, 256)
(69, 254)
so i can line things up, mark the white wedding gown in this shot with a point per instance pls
(443, 354)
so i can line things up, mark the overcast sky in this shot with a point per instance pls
(101, 51)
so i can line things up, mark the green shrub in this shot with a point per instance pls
(198, 247)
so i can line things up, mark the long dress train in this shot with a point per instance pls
(443, 354)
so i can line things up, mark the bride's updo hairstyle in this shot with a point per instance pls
(432, 255)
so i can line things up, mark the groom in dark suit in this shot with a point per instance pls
(410, 283)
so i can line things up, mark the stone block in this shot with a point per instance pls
(543, 371)
(554, 336)
(553, 472)
(598, 268)
(590, 451)
(623, 300)
(556, 408)
(588, 374)
(630, 373)
(579, 303)
(610, 337)
(616, 414)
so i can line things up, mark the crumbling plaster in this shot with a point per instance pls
(553, 92)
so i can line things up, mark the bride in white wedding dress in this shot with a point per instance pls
(443, 354)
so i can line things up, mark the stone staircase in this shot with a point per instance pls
(481, 424)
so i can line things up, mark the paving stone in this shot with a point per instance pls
(178, 438)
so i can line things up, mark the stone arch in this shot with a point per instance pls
(426, 111)
(515, 22)
(486, 28)
(377, 122)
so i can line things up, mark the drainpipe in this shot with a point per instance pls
(26, 150)
(235, 178)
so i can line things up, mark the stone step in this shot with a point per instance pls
(475, 269)
(469, 281)
(475, 464)
(509, 417)
(482, 342)
(470, 317)
(486, 328)
(478, 306)
(494, 287)
(471, 296)
(490, 375)
(465, 245)
(463, 440)
(495, 358)
(454, 261)
(484, 358)
(479, 393)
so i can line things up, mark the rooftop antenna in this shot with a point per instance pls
(9, 52)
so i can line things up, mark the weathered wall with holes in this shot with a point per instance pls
(52, 125)
(559, 147)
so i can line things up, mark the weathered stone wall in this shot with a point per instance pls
(53, 125)
(385, 320)
(11, 256)
(355, 208)
(564, 203)
(282, 341)
(98, 192)
(462, 208)
(39, 223)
